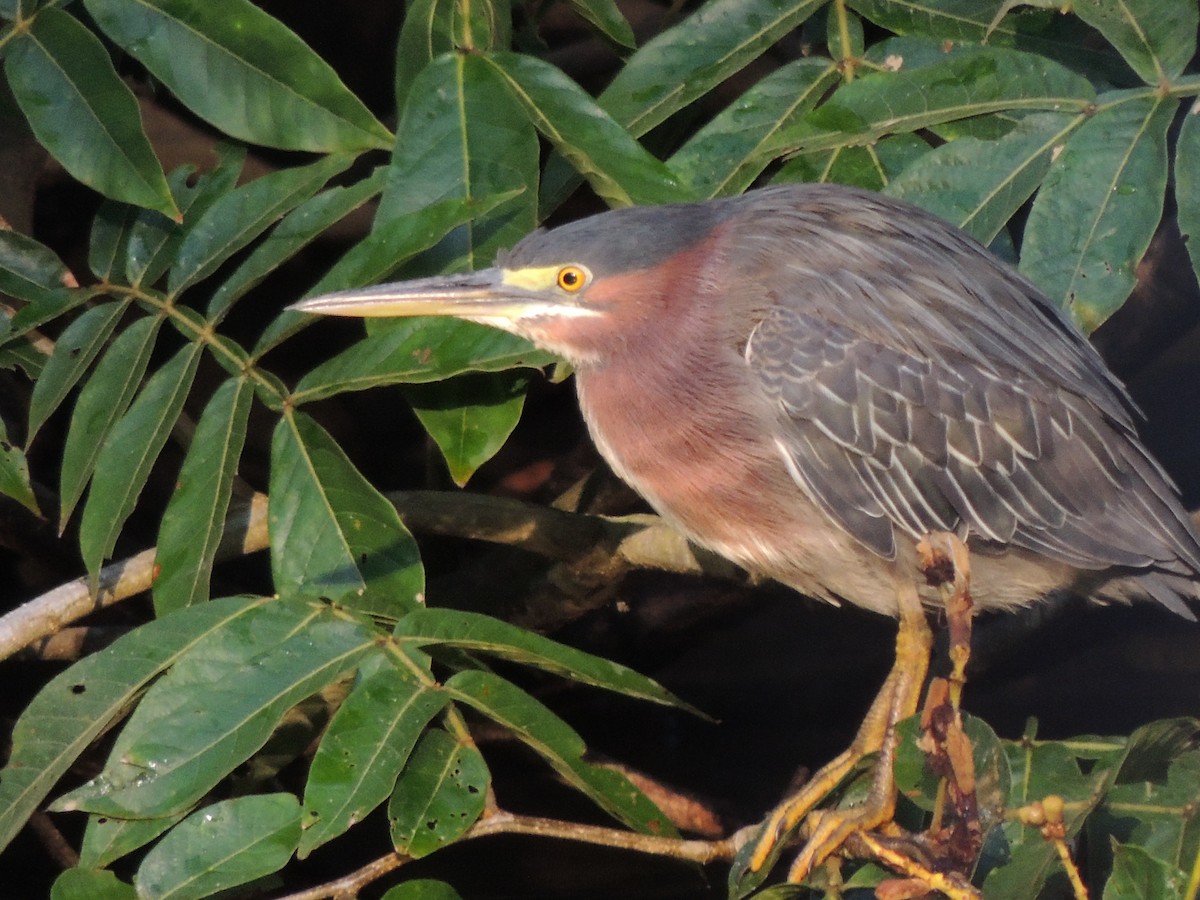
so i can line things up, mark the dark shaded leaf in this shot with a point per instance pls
(14, 473)
(559, 745)
(103, 400)
(299, 228)
(194, 520)
(88, 884)
(82, 112)
(1187, 183)
(107, 838)
(128, 453)
(237, 218)
(76, 348)
(1136, 875)
(484, 634)
(31, 271)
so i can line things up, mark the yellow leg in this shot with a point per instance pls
(897, 700)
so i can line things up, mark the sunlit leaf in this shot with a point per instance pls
(1156, 37)
(80, 703)
(107, 838)
(194, 520)
(434, 27)
(1098, 208)
(242, 70)
(969, 83)
(332, 534)
(363, 750)
(82, 112)
(440, 794)
(463, 135)
(470, 417)
(979, 185)
(725, 156)
(249, 672)
(618, 168)
(221, 846)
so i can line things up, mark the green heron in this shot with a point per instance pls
(810, 379)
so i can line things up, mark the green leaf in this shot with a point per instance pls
(1187, 183)
(237, 218)
(872, 166)
(14, 473)
(299, 228)
(109, 241)
(379, 254)
(80, 703)
(102, 402)
(687, 61)
(470, 417)
(154, 239)
(332, 534)
(87, 884)
(607, 17)
(366, 745)
(1137, 875)
(618, 168)
(221, 846)
(107, 838)
(194, 520)
(31, 271)
(128, 453)
(440, 794)
(559, 745)
(1098, 208)
(484, 634)
(218, 704)
(242, 70)
(434, 27)
(969, 83)
(417, 351)
(82, 112)
(725, 156)
(76, 348)
(682, 64)
(1156, 37)
(422, 889)
(979, 185)
(463, 135)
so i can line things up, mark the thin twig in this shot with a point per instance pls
(696, 851)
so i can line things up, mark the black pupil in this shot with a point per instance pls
(570, 278)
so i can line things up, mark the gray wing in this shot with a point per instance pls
(885, 437)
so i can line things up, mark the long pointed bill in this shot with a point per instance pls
(489, 296)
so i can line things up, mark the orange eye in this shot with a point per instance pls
(572, 278)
